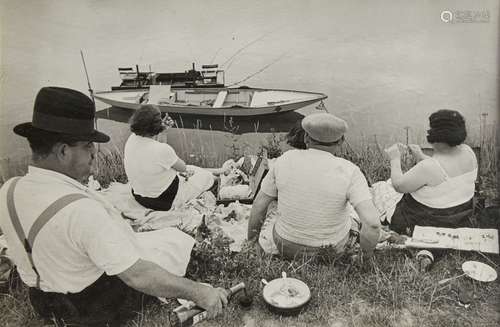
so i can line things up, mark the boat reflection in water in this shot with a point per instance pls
(281, 122)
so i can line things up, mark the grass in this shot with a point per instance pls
(389, 291)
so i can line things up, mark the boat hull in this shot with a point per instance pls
(128, 99)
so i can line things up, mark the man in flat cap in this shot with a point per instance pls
(313, 188)
(80, 263)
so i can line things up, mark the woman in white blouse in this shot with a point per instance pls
(438, 189)
(160, 180)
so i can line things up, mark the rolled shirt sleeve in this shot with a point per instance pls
(358, 189)
(109, 245)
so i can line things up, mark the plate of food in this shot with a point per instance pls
(286, 296)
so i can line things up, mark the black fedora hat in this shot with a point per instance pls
(62, 111)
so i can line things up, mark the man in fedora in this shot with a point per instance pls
(313, 188)
(81, 264)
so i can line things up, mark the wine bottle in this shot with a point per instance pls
(189, 317)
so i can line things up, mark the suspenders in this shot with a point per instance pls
(44, 218)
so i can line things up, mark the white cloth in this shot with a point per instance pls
(313, 188)
(83, 240)
(189, 189)
(148, 165)
(385, 199)
(187, 217)
(453, 191)
(169, 248)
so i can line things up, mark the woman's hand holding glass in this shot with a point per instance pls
(394, 151)
(417, 152)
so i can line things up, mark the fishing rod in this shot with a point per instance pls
(215, 55)
(93, 101)
(243, 48)
(259, 71)
(88, 80)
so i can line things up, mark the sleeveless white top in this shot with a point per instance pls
(451, 192)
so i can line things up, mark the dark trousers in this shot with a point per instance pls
(409, 213)
(164, 201)
(106, 302)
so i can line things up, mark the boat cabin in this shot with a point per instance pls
(209, 76)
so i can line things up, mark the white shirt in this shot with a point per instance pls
(80, 243)
(148, 165)
(313, 188)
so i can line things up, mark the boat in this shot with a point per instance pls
(242, 101)
(201, 93)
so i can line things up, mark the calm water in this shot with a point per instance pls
(384, 65)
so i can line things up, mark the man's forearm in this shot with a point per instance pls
(368, 238)
(255, 222)
(258, 215)
(149, 278)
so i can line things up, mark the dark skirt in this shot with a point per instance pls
(409, 213)
(164, 201)
(106, 302)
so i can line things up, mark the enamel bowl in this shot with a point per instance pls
(286, 296)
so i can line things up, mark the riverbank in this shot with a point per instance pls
(389, 291)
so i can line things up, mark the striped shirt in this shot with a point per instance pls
(313, 188)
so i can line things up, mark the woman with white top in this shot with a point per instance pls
(160, 180)
(438, 189)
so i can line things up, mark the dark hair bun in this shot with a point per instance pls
(146, 121)
(446, 126)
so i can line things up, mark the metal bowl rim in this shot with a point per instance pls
(292, 307)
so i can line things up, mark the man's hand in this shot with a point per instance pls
(212, 300)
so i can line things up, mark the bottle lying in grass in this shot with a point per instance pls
(184, 317)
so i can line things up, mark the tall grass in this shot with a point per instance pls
(10, 167)
(109, 166)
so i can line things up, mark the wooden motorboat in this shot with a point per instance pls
(211, 101)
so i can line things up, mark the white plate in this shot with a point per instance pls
(479, 271)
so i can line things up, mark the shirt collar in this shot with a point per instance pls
(51, 174)
(323, 152)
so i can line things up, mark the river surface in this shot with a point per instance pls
(384, 65)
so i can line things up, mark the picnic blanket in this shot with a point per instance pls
(231, 220)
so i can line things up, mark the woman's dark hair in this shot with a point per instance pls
(446, 126)
(295, 136)
(42, 142)
(146, 121)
